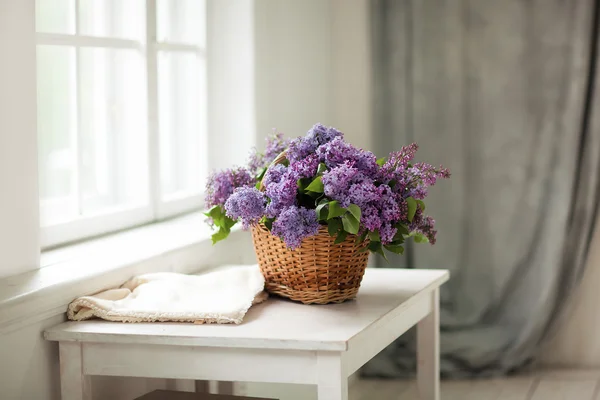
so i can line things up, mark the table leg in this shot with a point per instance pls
(74, 385)
(428, 352)
(332, 377)
(182, 385)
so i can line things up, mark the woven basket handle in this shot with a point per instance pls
(278, 160)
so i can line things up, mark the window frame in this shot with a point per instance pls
(157, 208)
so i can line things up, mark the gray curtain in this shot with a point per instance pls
(505, 94)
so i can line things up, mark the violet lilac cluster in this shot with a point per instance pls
(384, 191)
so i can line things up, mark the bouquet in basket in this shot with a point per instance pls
(321, 182)
(317, 205)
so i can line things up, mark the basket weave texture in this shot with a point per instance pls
(317, 272)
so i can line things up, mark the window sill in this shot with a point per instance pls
(179, 245)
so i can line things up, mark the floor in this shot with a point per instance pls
(544, 385)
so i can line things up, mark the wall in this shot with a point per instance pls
(230, 69)
(312, 64)
(19, 226)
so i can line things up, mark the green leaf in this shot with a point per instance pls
(214, 212)
(374, 236)
(228, 223)
(335, 210)
(355, 210)
(394, 249)
(421, 205)
(402, 229)
(314, 195)
(322, 168)
(376, 247)
(420, 238)
(381, 161)
(350, 223)
(322, 211)
(269, 223)
(362, 237)
(261, 174)
(333, 226)
(222, 234)
(217, 213)
(398, 241)
(341, 237)
(316, 185)
(412, 208)
(303, 183)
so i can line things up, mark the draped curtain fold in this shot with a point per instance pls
(505, 94)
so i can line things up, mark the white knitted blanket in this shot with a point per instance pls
(222, 296)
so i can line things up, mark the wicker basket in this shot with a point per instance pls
(317, 272)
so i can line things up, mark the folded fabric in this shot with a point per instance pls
(222, 296)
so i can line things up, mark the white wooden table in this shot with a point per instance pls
(279, 341)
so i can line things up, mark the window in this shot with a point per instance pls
(121, 113)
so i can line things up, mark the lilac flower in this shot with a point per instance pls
(274, 174)
(275, 145)
(338, 180)
(247, 204)
(390, 209)
(282, 195)
(318, 135)
(221, 185)
(370, 218)
(363, 194)
(301, 147)
(420, 176)
(338, 151)
(387, 232)
(399, 160)
(305, 168)
(323, 134)
(294, 224)
(425, 225)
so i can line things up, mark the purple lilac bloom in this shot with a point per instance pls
(282, 195)
(390, 210)
(294, 224)
(363, 193)
(425, 225)
(221, 185)
(247, 204)
(386, 233)
(323, 134)
(338, 151)
(274, 174)
(318, 135)
(337, 181)
(370, 218)
(397, 163)
(305, 168)
(275, 145)
(301, 148)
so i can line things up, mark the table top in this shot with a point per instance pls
(277, 323)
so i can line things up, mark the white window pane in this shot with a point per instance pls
(181, 21)
(56, 114)
(182, 123)
(114, 148)
(122, 19)
(55, 16)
